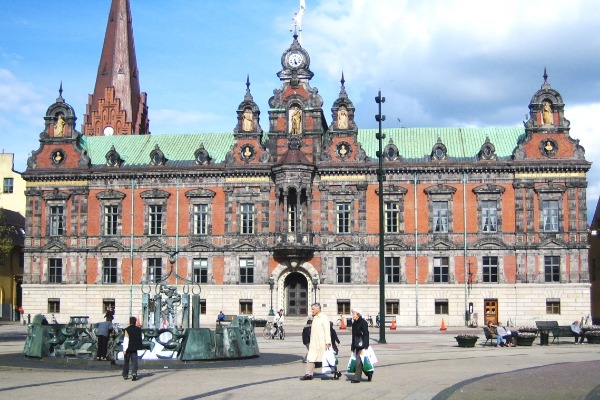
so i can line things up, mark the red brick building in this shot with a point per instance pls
(487, 219)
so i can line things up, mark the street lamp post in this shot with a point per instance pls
(315, 281)
(381, 178)
(271, 284)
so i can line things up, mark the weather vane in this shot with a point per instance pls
(297, 21)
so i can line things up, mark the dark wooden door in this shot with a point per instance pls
(491, 310)
(297, 295)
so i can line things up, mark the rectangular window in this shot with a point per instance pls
(246, 307)
(201, 219)
(343, 217)
(441, 306)
(246, 270)
(200, 270)
(392, 269)
(440, 269)
(154, 274)
(490, 269)
(55, 270)
(489, 216)
(54, 306)
(107, 303)
(392, 307)
(343, 306)
(203, 306)
(109, 270)
(552, 268)
(57, 221)
(111, 220)
(292, 216)
(440, 216)
(247, 218)
(553, 306)
(392, 217)
(550, 215)
(8, 185)
(343, 269)
(155, 224)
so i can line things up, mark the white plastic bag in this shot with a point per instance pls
(328, 361)
(371, 354)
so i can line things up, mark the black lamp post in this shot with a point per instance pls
(271, 284)
(315, 281)
(381, 178)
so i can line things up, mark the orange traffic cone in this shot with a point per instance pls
(343, 323)
(138, 323)
(393, 326)
(443, 328)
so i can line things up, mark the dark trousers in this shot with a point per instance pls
(133, 356)
(359, 366)
(102, 345)
(581, 336)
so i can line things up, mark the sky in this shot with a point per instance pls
(439, 63)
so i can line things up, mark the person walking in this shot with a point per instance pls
(320, 340)
(104, 329)
(306, 337)
(134, 335)
(360, 342)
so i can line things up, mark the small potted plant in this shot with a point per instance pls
(466, 339)
(530, 329)
(593, 337)
(525, 338)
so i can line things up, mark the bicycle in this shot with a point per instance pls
(268, 334)
(370, 321)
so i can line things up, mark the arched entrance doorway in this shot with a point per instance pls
(296, 290)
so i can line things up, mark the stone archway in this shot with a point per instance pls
(296, 294)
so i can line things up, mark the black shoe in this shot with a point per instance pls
(370, 376)
(306, 378)
(354, 381)
(134, 378)
(337, 375)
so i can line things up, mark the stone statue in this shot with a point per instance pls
(59, 126)
(547, 114)
(342, 118)
(296, 119)
(247, 120)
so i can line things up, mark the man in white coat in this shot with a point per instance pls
(320, 340)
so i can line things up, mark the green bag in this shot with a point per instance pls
(367, 366)
(352, 364)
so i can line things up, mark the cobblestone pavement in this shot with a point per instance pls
(416, 363)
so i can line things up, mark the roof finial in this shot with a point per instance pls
(342, 81)
(248, 83)
(545, 76)
(60, 90)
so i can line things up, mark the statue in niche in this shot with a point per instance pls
(247, 120)
(342, 118)
(59, 126)
(547, 114)
(296, 121)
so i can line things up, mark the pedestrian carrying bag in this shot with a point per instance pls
(328, 361)
(371, 354)
(367, 365)
(352, 363)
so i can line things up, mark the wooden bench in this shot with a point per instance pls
(557, 331)
(489, 336)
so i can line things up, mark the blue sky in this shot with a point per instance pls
(438, 63)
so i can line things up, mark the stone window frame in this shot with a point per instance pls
(550, 192)
(108, 302)
(343, 306)
(394, 194)
(194, 268)
(343, 225)
(392, 275)
(54, 199)
(52, 275)
(147, 266)
(553, 306)
(441, 307)
(438, 193)
(155, 197)
(433, 267)
(247, 218)
(392, 217)
(497, 266)
(116, 270)
(111, 198)
(346, 270)
(553, 273)
(246, 307)
(487, 193)
(53, 306)
(198, 197)
(392, 306)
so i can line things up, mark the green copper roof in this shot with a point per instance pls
(414, 144)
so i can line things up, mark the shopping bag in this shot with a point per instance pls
(328, 361)
(371, 354)
(367, 365)
(352, 363)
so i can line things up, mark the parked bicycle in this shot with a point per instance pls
(370, 321)
(271, 332)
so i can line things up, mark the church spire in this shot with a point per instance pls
(117, 83)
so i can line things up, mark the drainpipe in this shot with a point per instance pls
(465, 240)
(177, 233)
(416, 254)
(131, 252)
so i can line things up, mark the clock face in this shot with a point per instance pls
(295, 60)
(108, 131)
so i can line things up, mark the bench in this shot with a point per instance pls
(558, 331)
(228, 319)
(489, 336)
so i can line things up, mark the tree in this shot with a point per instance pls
(7, 232)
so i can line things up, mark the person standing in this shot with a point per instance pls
(360, 342)
(306, 337)
(134, 334)
(103, 330)
(320, 340)
(277, 323)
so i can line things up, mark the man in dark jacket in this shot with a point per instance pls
(134, 334)
(306, 336)
(360, 341)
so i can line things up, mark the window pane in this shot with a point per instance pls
(55, 270)
(109, 270)
(489, 216)
(392, 269)
(201, 219)
(343, 217)
(392, 307)
(343, 307)
(343, 269)
(154, 274)
(200, 270)
(392, 217)
(441, 306)
(56, 220)
(246, 270)
(8, 185)
(440, 269)
(246, 307)
(155, 219)
(490, 269)
(247, 218)
(552, 268)
(440, 216)
(111, 214)
(550, 215)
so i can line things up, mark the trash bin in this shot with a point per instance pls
(544, 338)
